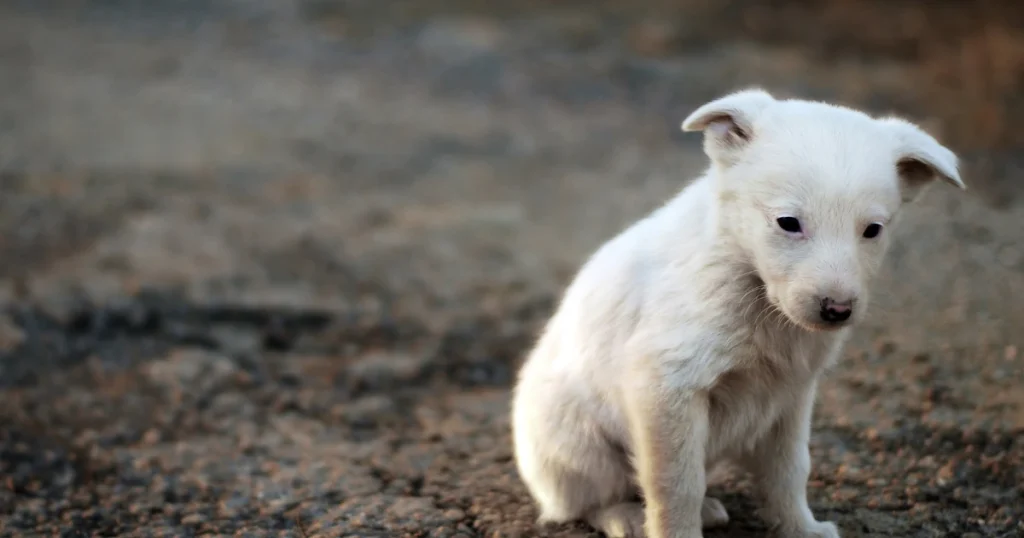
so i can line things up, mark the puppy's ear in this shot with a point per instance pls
(728, 122)
(920, 159)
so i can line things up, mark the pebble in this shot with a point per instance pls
(193, 519)
(194, 369)
(454, 514)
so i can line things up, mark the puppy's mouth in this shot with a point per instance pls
(816, 326)
(821, 327)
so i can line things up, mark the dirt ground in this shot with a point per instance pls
(267, 268)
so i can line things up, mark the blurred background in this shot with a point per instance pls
(268, 267)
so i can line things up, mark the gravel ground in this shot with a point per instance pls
(268, 267)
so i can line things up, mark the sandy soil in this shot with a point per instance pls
(267, 268)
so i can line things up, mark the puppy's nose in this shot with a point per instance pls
(834, 311)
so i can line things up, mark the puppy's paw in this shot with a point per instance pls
(822, 529)
(624, 520)
(817, 529)
(713, 514)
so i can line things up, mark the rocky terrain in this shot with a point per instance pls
(267, 268)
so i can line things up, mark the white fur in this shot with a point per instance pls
(695, 337)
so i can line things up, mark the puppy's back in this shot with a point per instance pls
(603, 304)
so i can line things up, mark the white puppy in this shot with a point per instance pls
(697, 336)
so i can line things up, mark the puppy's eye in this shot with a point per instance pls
(789, 224)
(872, 230)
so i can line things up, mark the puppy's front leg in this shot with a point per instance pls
(671, 434)
(781, 464)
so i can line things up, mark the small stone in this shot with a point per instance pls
(151, 437)
(193, 519)
(406, 507)
(945, 473)
(365, 411)
(379, 370)
(194, 369)
(454, 514)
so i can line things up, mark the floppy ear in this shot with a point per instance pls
(920, 159)
(728, 122)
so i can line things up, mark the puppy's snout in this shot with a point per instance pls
(833, 311)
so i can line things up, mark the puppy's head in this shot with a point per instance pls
(809, 191)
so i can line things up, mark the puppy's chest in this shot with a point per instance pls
(769, 380)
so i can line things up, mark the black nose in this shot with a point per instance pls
(835, 312)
